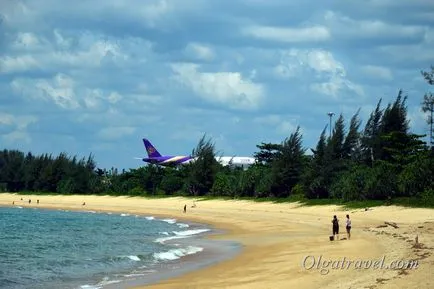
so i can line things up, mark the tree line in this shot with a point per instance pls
(381, 161)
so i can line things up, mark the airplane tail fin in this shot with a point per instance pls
(150, 149)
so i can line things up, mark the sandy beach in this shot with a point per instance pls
(278, 238)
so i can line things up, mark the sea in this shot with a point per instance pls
(41, 248)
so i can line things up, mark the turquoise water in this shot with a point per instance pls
(66, 249)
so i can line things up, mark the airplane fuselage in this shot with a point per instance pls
(154, 157)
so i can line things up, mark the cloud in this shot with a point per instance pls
(111, 133)
(289, 35)
(227, 88)
(97, 76)
(329, 74)
(371, 29)
(200, 52)
(15, 127)
(377, 72)
(280, 124)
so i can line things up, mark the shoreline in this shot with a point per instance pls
(276, 238)
(216, 248)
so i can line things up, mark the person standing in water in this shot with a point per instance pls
(335, 229)
(348, 227)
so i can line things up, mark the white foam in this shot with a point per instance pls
(177, 253)
(134, 275)
(170, 221)
(164, 233)
(124, 215)
(108, 282)
(164, 239)
(190, 232)
(150, 218)
(134, 258)
(182, 225)
(90, 287)
(181, 235)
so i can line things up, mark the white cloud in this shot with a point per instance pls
(17, 64)
(293, 61)
(66, 93)
(377, 72)
(19, 124)
(297, 63)
(199, 51)
(289, 35)
(228, 88)
(282, 125)
(345, 26)
(92, 51)
(26, 40)
(111, 133)
(60, 90)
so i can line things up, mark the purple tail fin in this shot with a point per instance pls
(150, 149)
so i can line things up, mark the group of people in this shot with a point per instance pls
(335, 227)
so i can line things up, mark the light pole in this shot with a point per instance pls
(330, 114)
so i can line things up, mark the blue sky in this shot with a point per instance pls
(97, 76)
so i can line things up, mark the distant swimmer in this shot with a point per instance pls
(348, 227)
(185, 208)
(335, 223)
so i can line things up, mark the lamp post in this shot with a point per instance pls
(330, 114)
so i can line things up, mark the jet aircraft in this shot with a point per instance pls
(154, 157)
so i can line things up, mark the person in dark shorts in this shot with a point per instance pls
(335, 223)
(348, 227)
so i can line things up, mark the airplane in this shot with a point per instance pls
(154, 157)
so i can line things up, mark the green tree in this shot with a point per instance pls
(203, 170)
(428, 103)
(371, 144)
(267, 152)
(287, 167)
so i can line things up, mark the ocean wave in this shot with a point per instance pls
(182, 225)
(181, 235)
(177, 253)
(165, 239)
(170, 221)
(124, 215)
(190, 232)
(134, 258)
(149, 218)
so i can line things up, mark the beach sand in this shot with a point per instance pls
(276, 238)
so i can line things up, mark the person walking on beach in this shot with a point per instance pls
(348, 227)
(335, 229)
(185, 208)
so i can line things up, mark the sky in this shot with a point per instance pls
(97, 76)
